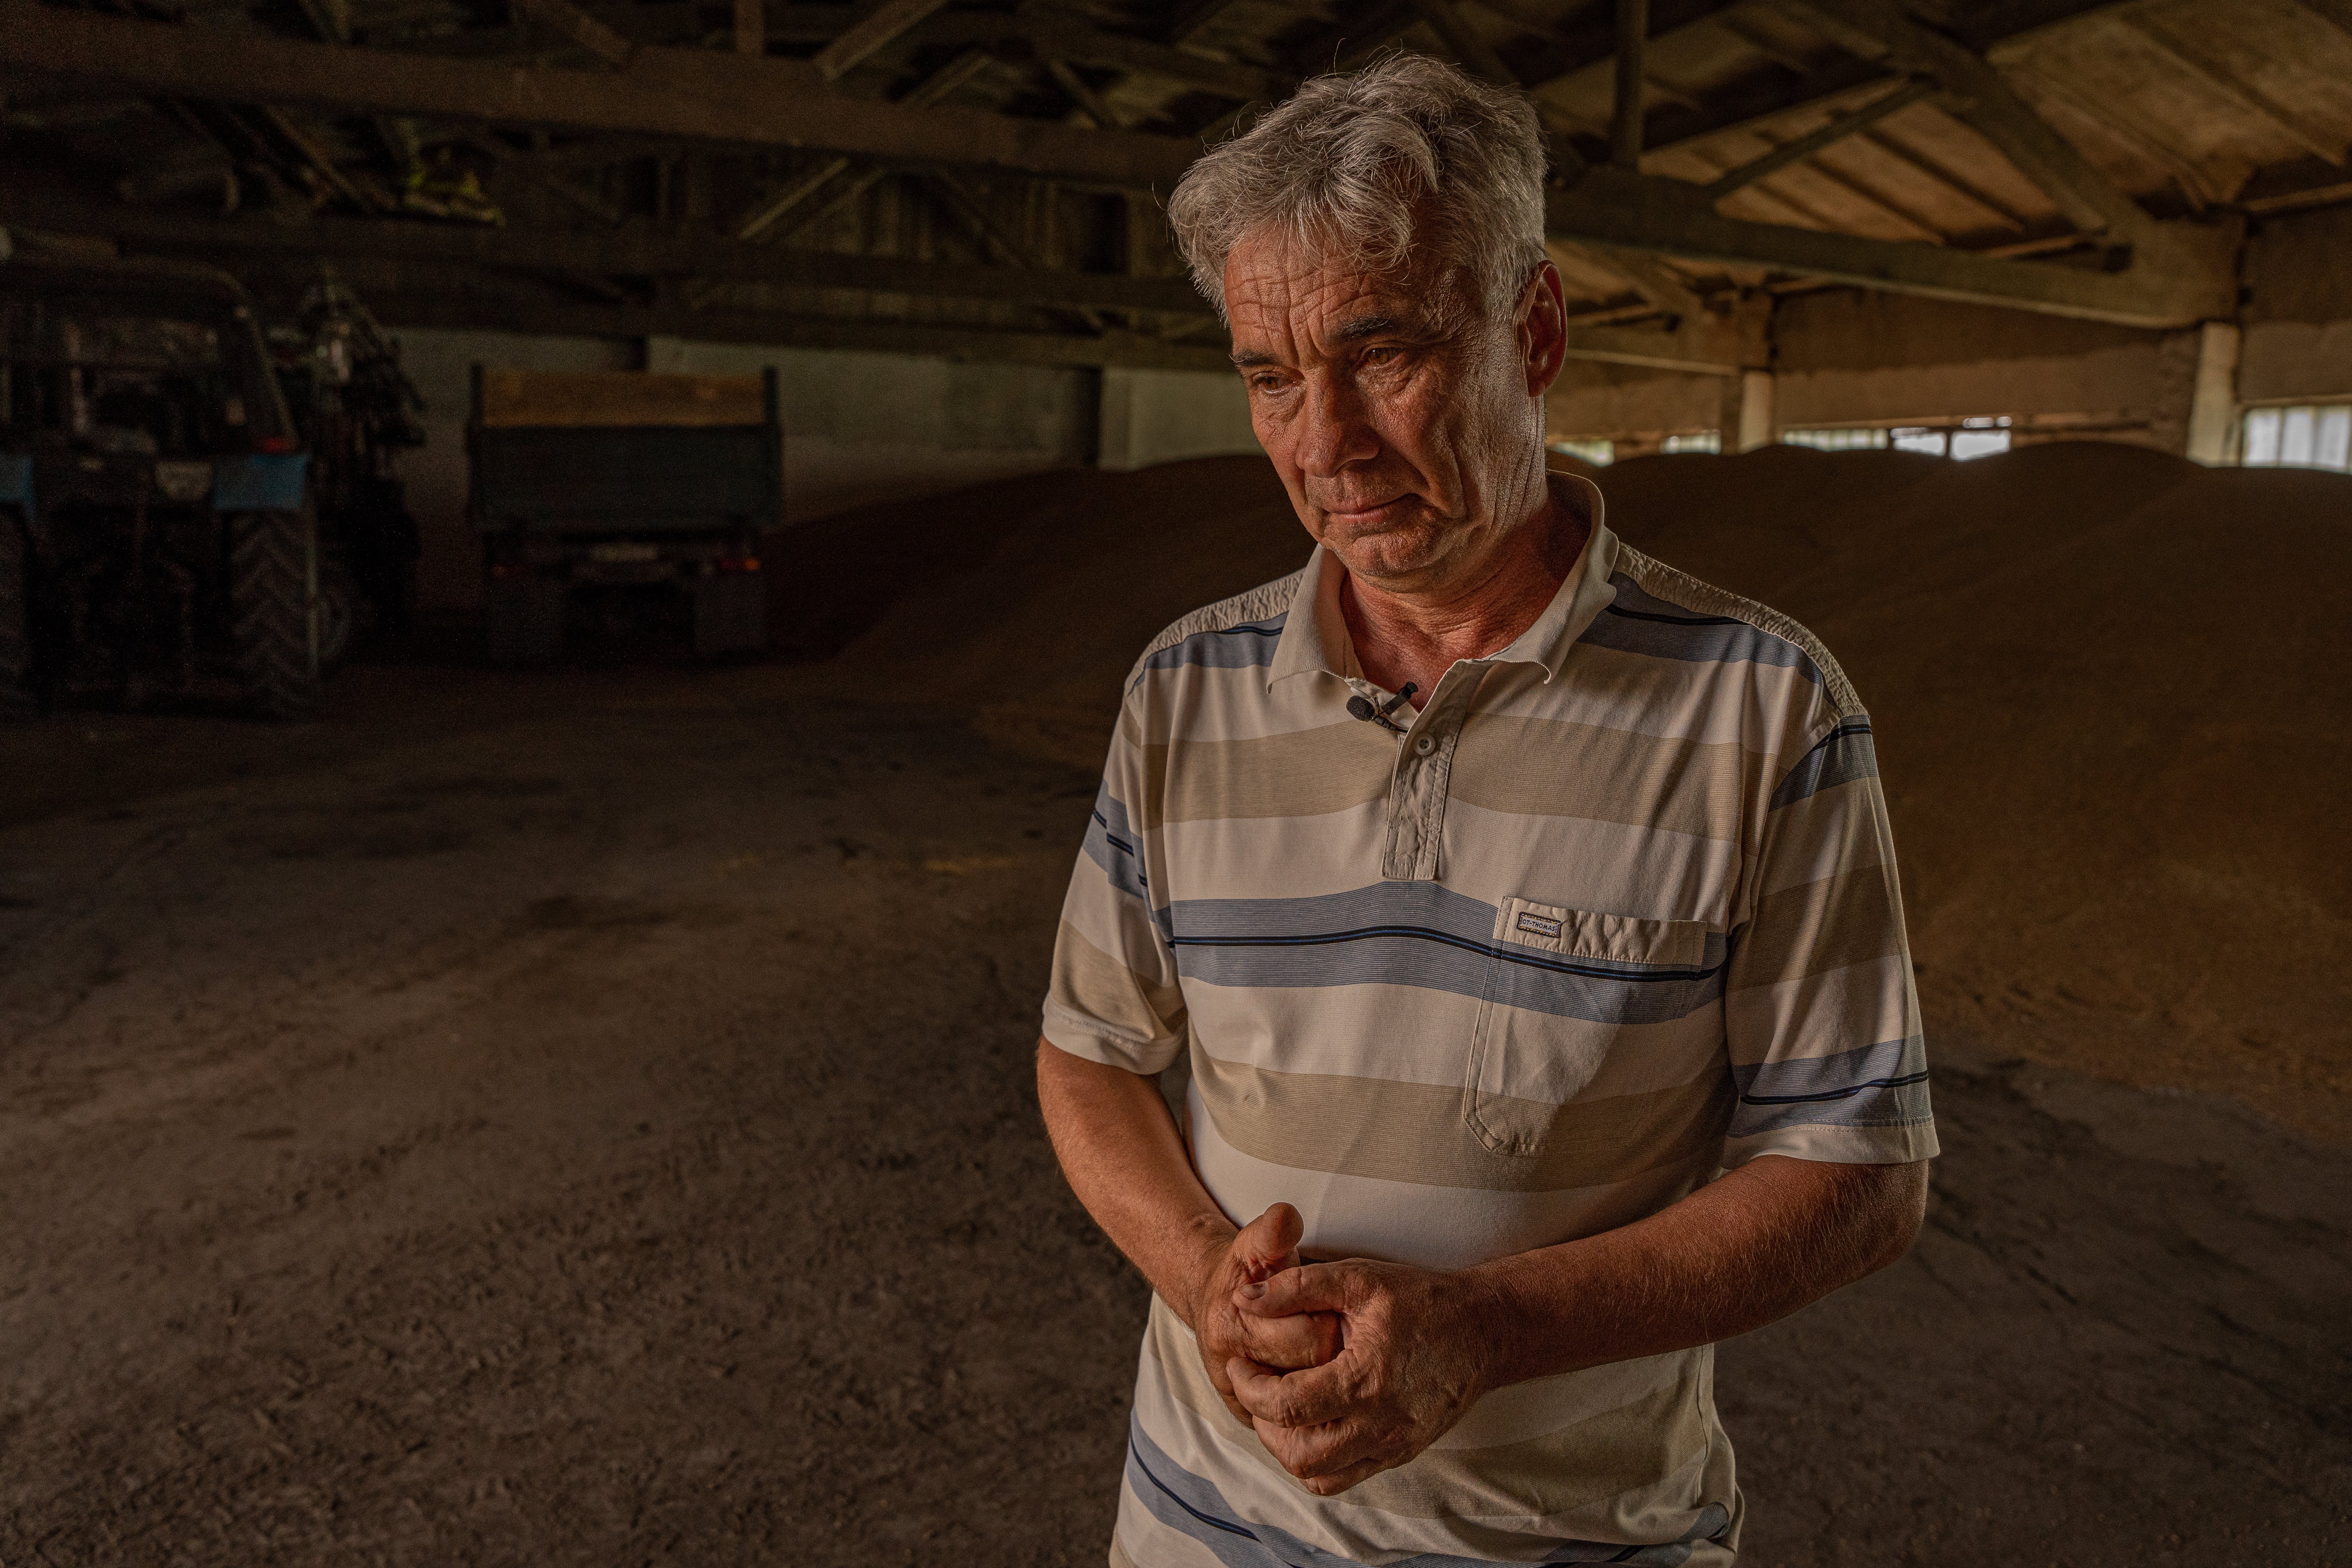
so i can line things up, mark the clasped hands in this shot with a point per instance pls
(1344, 1369)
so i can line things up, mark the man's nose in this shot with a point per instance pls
(1339, 431)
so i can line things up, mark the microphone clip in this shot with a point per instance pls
(1363, 707)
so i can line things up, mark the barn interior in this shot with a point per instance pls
(516, 1044)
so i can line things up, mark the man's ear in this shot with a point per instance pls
(1543, 329)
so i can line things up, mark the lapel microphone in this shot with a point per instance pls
(1361, 708)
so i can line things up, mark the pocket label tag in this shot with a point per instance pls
(1541, 925)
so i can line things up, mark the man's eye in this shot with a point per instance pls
(1381, 355)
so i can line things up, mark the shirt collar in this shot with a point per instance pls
(1314, 635)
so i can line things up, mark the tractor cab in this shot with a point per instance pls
(156, 534)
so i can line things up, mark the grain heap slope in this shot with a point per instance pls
(2105, 682)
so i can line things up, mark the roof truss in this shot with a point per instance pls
(2128, 267)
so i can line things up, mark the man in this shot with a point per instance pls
(1525, 907)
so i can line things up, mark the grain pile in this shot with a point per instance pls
(2113, 731)
(2106, 685)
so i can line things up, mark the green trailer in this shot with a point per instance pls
(624, 478)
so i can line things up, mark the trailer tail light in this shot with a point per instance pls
(739, 563)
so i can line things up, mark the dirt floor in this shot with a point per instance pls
(586, 1118)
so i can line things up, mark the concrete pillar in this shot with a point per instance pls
(664, 354)
(1114, 446)
(1747, 420)
(2213, 400)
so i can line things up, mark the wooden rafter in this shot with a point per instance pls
(2178, 274)
(698, 95)
(2143, 140)
(1462, 38)
(1950, 180)
(712, 98)
(1193, 18)
(789, 330)
(767, 212)
(1838, 128)
(636, 249)
(1872, 196)
(881, 28)
(2248, 99)
(1983, 98)
(1051, 36)
(563, 17)
(1082, 92)
(1626, 103)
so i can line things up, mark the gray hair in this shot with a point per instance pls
(1360, 163)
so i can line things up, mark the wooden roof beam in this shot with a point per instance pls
(1461, 36)
(1760, 103)
(2118, 125)
(2229, 85)
(2178, 273)
(636, 249)
(2004, 215)
(1064, 38)
(1625, 102)
(1839, 128)
(605, 43)
(1982, 97)
(702, 95)
(1193, 18)
(768, 210)
(876, 31)
(2336, 13)
(440, 308)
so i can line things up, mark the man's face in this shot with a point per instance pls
(1411, 443)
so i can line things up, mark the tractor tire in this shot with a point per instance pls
(16, 623)
(341, 612)
(273, 570)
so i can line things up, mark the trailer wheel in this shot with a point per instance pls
(15, 623)
(273, 610)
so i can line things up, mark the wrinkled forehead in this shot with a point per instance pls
(1281, 284)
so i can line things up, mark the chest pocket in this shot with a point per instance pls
(1560, 987)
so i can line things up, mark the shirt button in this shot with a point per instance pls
(1423, 745)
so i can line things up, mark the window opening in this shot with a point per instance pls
(2302, 436)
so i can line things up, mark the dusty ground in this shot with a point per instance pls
(586, 1119)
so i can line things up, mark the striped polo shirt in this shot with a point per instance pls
(1617, 911)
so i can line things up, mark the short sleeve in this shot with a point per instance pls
(1114, 998)
(1820, 1010)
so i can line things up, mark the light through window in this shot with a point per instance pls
(1836, 441)
(1598, 450)
(1969, 438)
(2306, 436)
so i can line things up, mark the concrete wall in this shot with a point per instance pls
(1857, 357)
(1159, 415)
(2298, 315)
(858, 428)
(1595, 399)
(1851, 357)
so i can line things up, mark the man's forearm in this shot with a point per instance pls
(1741, 1252)
(1120, 1150)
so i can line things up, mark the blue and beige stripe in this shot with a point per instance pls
(1662, 934)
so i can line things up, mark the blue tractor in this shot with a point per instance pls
(157, 531)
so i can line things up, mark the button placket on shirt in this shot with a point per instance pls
(1421, 781)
